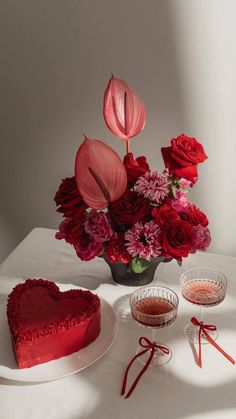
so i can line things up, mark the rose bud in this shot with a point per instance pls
(100, 174)
(135, 167)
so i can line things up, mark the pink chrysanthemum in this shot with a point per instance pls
(153, 185)
(143, 240)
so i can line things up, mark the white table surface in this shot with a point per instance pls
(180, 389)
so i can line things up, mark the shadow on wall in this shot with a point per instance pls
(57, 62)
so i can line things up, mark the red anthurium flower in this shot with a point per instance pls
(123, 110)
(100, 174)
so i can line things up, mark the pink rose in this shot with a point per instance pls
(180, 202)
(98, 226)
(201, 238)
(184, 183)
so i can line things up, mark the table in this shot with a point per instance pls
(180, 389)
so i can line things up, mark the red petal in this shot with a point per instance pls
(189, 173)
(166, 154)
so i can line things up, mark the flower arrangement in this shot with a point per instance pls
(122, 209)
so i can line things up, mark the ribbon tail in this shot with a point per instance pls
(208, 337)
(141, 373)
(128, 368)
(199, 347)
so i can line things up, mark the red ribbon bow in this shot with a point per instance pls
(148, 346)
(203, 329)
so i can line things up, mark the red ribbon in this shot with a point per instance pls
(148, 346)
(203, 329)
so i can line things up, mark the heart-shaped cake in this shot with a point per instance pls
(46, 324)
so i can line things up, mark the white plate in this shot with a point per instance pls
(61, 367)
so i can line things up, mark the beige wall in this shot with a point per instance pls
(56, 59)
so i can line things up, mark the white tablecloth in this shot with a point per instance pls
(180, 389)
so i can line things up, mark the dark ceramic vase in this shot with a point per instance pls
(122, 274)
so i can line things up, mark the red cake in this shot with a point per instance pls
(46, 324)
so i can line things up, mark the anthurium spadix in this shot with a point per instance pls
(100, 174)
(123, 110)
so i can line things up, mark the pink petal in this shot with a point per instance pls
(100, 174)
(123, 110)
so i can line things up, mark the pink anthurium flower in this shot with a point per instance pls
(100, 174)
(123, 110)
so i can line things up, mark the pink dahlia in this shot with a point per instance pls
(153, 185)
(98, 226)
(143, 240)
(201, 238)
(87, 247)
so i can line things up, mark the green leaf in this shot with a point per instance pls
(139, 265)
(179, 261)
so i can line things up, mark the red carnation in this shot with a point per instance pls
(70, 229)
(182, 157)
(69, 198)
(135, 167)
(194, 216)
(129, 208)
(87, 247)
(164, 215)
(177, 239)
(116, 250)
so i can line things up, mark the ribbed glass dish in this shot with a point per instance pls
(204, 287)
(154, 307)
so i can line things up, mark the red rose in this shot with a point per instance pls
(182, 157)
(69, 198)
(129, 208)
(194, 216)
(177, 239)
(164, 215)
(135, 167)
